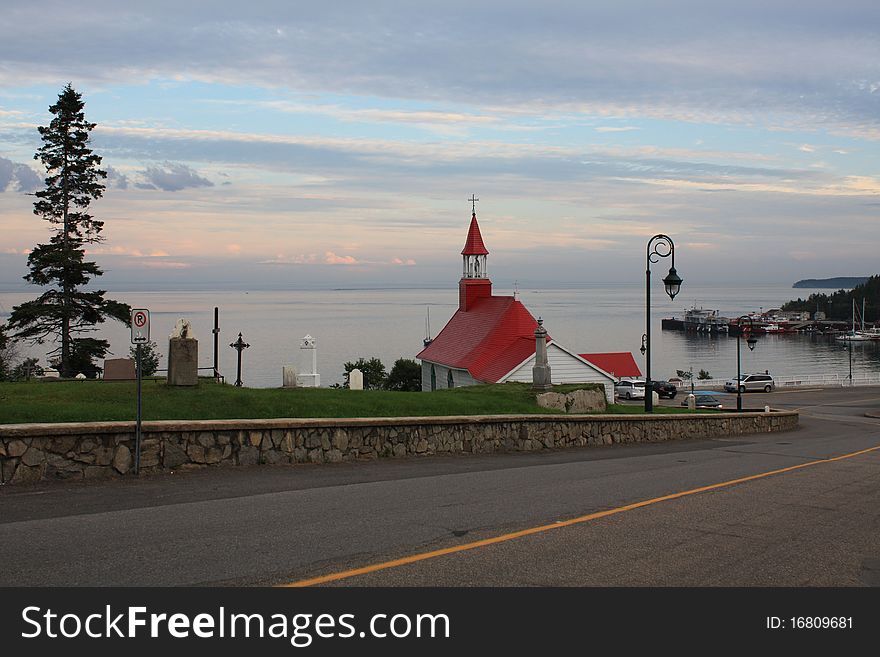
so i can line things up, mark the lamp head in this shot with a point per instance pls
(672, 282)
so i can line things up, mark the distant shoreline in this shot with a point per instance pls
(837, 283)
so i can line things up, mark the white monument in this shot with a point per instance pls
(355, 380)
(309, 379)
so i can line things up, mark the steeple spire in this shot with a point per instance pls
(475, 283)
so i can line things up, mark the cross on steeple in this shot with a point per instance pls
(473, 199)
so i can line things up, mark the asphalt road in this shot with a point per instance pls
(816, 524)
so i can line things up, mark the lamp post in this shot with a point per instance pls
(659, 246)
(751, 341)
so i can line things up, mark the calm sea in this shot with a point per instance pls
(390, 323)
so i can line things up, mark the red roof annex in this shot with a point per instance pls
(489, 340)
(620, 364)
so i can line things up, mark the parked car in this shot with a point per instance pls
(627, 389)
(704, 400)
(664, 389)
(749, 382)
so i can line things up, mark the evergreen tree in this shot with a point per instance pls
(66, 310)
(405, 376)
(373, 371)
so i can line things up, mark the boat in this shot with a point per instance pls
(862, 334)
(704, 321)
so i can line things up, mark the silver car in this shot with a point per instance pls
(626, 389)
(751, 382)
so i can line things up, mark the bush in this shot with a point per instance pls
(373, 371)
(405, 376)
(149, 357)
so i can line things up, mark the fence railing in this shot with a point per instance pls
(807, 380)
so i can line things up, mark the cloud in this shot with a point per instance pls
(18, 177)
(116, 178)
(332, 259)
(172, 177)
(805, 63)
(623, 128)
(806, 148)
(401, 261)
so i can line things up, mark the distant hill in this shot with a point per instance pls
(839, 304)
(839, 283)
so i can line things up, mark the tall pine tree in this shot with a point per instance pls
(66, 310)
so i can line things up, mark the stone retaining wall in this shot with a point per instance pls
(35, 452)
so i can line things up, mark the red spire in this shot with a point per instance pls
(474, 243)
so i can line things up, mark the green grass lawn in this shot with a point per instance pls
(90, 401)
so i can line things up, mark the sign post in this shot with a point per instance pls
(140, 334)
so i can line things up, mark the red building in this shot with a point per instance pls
(491, 339)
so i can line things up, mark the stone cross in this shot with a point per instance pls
(356, 380)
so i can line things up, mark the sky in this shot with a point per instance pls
(299, 145)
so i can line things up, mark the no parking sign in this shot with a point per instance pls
(140, 326)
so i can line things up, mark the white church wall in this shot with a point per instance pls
(564, 368)
(441, 377)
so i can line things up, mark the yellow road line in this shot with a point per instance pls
(345, 574)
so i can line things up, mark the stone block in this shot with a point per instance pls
(213, 455)
(196, 453)
(7, 469)
(122, 459)
(149, 453)
(103, 455)
(61, 445)
(585, 401)
(16, 448)
(288, 377)
(174, 455)
(33, 456)
(27, 475)
(248, 455)
(552, 400)
(97, 472)
(119, 369)
(340, 439)
(206, 439)
(183, 362)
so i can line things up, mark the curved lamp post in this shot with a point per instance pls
(659, 246)
(751, 340)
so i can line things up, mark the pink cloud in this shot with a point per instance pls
(332, 259)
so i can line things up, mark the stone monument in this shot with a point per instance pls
(355, 380)
(541, 370)
(183, 356)
(288, 375)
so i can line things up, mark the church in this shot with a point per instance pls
(491, 339)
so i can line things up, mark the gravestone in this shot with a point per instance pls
(288, 376)
(356, 380)
(119, 369)
(183, 356)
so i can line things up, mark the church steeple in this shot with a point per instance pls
(474, 252)
(475, 283)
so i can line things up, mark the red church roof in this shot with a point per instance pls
(488, 340)
(474, 243)
(621, 364)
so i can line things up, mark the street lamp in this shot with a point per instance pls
(659, 246)
(751, 341)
